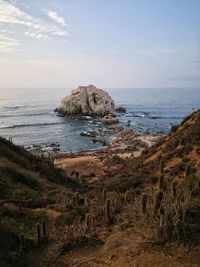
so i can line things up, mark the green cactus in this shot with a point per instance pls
(161, 167)
(161, 182)
(77, 198)
(74, 201)
(174, 189)
(38, 233)
(22, 240)
(104, 195)
(158, 199)
(87, 221)
(107, 210)
(187, 171)
(20, 209)
(43, 228)
(144, 203)
(86, 201)
(22, 245)
(126, 197)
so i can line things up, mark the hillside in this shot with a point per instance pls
(29, 186)
(122, 210)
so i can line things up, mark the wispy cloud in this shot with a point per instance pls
(7, 44)
(36, 35)
(55, 17)
(153, 52)
(33, 27)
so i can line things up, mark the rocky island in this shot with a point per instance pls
(87, 101)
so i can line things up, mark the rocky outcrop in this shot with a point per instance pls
(120, 110)
(87, 100)
(109, 119)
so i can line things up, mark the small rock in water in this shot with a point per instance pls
(110, 119)
(120, 110)
(127, 122)
(146, 131)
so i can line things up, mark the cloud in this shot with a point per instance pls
(7, 44)
(36, 35)
(34, 27)
(54, 16)
(153, 52)
(60, 33)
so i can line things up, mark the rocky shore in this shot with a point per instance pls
(98, 108)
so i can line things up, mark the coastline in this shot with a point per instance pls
(96, 163)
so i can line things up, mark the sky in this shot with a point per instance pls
(108, 43)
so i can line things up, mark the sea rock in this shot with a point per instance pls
(120, 110)
(146, 132)
(109, 119)
(87, 100)
(127, 122)
(115, 128)
(89, 134)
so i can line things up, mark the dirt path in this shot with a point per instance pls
(127, 248)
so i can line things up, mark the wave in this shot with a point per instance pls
(165, 118)
(146, 115)
(15, 107)
(27, 115)
(140, 114)
(29, 125)
(6, 126)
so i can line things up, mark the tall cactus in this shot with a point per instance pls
(187, 171)
(104, 195)
(174, 190)
(158, 199)
(22, 244)
(38, 233)
(144, 203)
(161, 182)
(77, 198)
(87, 221)
(161, 167)
(126, 197)
(107, 210)
(43, 228)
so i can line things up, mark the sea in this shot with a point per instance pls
(27, 114)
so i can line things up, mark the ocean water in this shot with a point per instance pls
(27, 114)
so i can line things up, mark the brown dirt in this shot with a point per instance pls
(127, 248)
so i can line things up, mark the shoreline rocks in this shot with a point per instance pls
(120, 110)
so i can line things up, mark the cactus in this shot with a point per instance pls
(158, 200)
(77, 198)
(104, 195)
(21, 247)
(20, 209)
(86, 202)
(87, 221)
(161, 182)
(22, 241)
(174, 189)
(74, 201)
(38, 232)
(161, 167)
(107, 210)
(126, 197)
(144, 203)
(187, 171)
(43, 228)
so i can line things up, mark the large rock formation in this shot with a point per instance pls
(87, 100)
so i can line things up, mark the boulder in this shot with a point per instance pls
(87, 100)
(109, 119)
(120, 110)
(127, 122)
